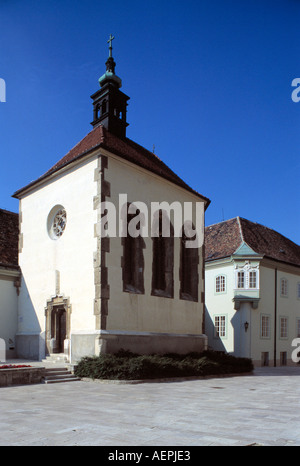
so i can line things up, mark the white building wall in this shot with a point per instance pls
(146, 313)
(8, 314)
(220, 304)
(71, 255)
(252, 343)
(288, 307)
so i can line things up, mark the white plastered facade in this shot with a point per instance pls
(61, 272)
(9, 286)
(263, 306)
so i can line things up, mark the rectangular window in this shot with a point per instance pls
(265, 327)
(247, 278)
(284, 287)
(220, 284)
(252, 280)
(283, 327)
(298, 290)
(241, 280)
(220, 326)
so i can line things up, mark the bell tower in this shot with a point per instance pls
(109, 103)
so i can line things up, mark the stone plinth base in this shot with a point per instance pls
(111, 341)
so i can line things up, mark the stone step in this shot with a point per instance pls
(69, 379)
(59, 375)
(55, 358)
(54, 370)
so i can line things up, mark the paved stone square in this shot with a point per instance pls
(262, 408)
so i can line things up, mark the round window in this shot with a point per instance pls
(57, 220)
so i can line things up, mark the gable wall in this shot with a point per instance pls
(71, 255)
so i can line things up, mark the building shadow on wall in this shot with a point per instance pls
(236, 326)
(30, 340)
(214, 341)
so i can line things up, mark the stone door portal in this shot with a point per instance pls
(58, 312)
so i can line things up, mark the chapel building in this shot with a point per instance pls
(89, 286)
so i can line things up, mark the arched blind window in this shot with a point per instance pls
(189, 277)
(163, 258)
(133, 261)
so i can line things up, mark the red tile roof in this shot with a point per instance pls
(223, 239)
(9, 238)
(99, 137)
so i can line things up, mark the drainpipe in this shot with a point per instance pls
(275, 318)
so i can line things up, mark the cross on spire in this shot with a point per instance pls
(111, 38)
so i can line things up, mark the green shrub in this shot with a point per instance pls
(129, 366)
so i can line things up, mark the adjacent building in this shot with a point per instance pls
(9, 280)
(252, 291)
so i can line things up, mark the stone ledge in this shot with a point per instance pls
(166, 379)
(21, 376)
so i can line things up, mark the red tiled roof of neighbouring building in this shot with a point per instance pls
(9, 238)
(224, 238)
(127, 149)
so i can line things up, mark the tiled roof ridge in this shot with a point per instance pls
(56, 166)
(152, 155)
(223, 238)
(8, 211)
(125, 148)
(240, 229)
(9, 238)
(270, 230)
(219, 223)
(239, 218)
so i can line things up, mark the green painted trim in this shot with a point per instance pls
(245, 250)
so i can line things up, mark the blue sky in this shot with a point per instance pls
(209, 82)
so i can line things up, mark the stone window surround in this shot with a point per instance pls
(53, 304)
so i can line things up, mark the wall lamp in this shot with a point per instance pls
(246, 325)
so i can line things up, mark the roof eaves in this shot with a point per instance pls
(4, 266)
(180, 182)
(54, 170)
(286, 262)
